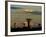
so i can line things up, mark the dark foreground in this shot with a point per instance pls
(25, 29)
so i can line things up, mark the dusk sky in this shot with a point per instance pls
(34, 8)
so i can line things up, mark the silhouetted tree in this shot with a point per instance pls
(28, 21)
(14, 25)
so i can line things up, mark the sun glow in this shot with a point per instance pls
(28, 10)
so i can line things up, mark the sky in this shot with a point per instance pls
(34, 8)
